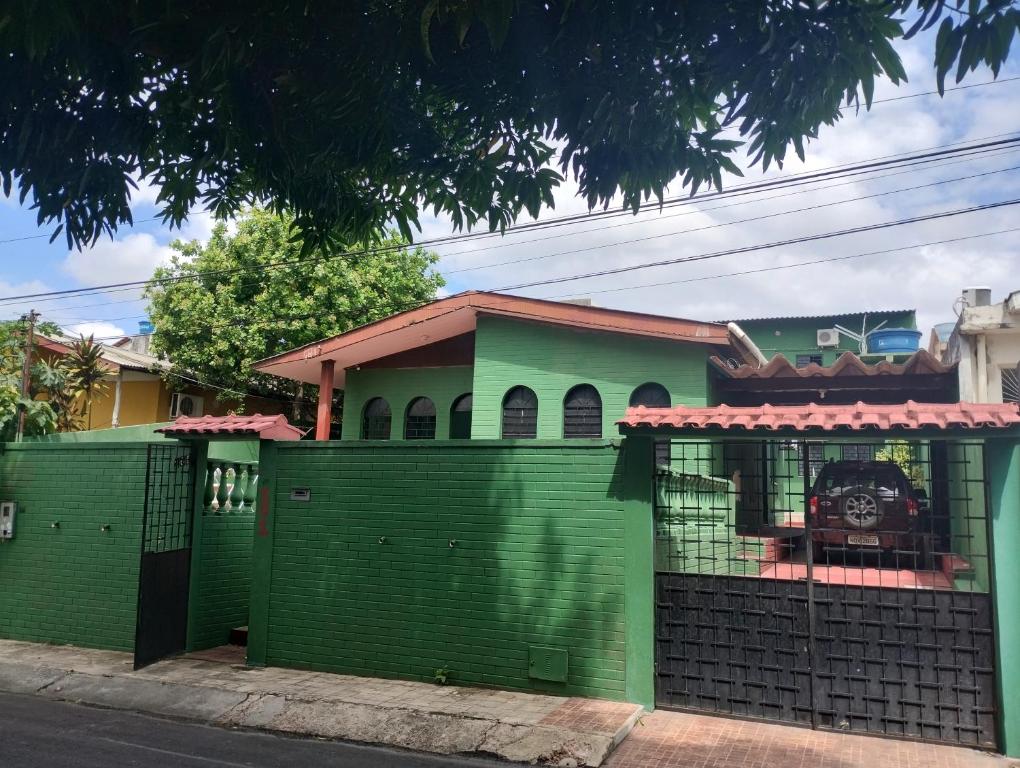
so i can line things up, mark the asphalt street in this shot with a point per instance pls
(38, 733)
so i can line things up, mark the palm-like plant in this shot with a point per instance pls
(86, 368)
(62, 393)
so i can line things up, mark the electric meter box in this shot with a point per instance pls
(7, 511)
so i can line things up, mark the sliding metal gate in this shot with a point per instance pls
(164, 570)
(779, 597)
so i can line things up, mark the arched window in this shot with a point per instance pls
(520, 414)
(460, 417)
(375, 420)
(420, 421)
(651, 395)
(582, 412)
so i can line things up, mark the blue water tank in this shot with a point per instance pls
(145, 327)
(893, 341)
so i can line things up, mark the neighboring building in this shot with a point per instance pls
(136, 391)
(938, 341)
(484, 365)
(806, 339)
(986, 344)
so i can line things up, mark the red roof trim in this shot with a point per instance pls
(803, 418)
(541, 310)
(257, 425)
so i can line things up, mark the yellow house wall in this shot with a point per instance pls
(140, 403)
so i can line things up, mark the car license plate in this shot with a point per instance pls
(856, 538)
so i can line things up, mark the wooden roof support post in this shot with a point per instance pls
(325, 413)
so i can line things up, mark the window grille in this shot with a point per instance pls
(375, 422)
(582, 412)
(1011, 385)
(651, 395)
(520, 414)
(420, 422)
(806, 360)
(460, 417)
(858, 452)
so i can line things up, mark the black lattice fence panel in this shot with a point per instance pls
(842, 584)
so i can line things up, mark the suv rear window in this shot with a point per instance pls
(869, 476)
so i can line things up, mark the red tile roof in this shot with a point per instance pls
(811, 417)
(257, 425)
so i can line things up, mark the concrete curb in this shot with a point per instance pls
(395, 726)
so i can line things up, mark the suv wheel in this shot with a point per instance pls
(861, 507)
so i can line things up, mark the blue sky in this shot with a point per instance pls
(926, 278)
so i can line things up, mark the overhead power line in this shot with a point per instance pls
(1003, 81)
(778, 267)
(798, 179)
(271, 322)
(641, 220)
(764, 246)
(632, 221)
(719, 225)
(763, 217)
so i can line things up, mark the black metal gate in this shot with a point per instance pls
(163, 581)
(770, 604)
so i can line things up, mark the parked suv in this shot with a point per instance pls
(867, 506)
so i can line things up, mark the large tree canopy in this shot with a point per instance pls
(356, 115)
(221, 307)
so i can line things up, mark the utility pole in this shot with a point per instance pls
(26, 369)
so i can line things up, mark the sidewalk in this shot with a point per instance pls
(207, 687)
(699, 741)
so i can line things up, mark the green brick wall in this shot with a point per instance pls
(551, 360)
(222, 566)
(399, 386)
(538, 560)
(74, 583)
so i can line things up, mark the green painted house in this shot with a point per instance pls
(488, 366)
(814, 338)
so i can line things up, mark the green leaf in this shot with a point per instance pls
(425, 26)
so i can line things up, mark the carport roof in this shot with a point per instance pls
(257, 426)
(859, 417)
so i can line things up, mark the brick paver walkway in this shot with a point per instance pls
(667, 739)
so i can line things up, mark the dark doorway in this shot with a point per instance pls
(164, 570)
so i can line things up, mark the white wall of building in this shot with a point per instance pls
(986, 342)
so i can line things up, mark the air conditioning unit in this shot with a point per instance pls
(827, 337)
(185, 405)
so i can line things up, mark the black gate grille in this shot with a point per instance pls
(164, 569)
(725, 644)
(772, 604)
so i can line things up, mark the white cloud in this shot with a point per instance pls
(102, 331)
(145, 193)
(131, 258)
(16, 310)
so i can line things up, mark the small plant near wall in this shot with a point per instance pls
(441, 676)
